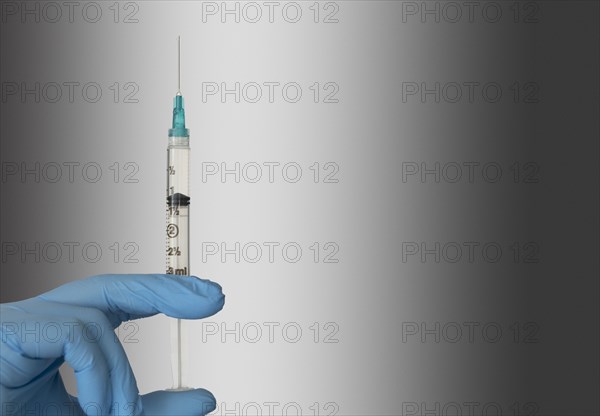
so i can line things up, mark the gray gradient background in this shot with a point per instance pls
(370, 133)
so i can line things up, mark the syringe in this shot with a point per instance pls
(178, 216)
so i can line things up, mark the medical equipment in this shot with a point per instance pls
(178, 217)
(106, 384)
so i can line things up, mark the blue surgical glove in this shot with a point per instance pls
(75, 323)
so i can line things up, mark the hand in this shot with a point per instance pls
(75, 323)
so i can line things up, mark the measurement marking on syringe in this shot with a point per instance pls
(172, 230)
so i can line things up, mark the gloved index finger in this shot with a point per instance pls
(131, 296)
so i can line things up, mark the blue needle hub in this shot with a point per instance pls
(178, 129)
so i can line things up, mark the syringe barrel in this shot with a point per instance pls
(178, 206)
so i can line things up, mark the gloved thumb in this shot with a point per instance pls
(197, 402)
